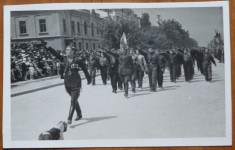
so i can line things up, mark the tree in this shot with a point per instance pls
(144, 20)
(169, 34)
(113, 30)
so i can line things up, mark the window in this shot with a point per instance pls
(85, 28)
(22, 27)
(78, 27)
(80, 45)
(87, 46)
(97, 31)
(64, 25)
(42, 25)
(73, 27)
(92, 29)
(93, 46)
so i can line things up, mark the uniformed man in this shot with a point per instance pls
(188, 65)
(160, 68)
(93, 61)
(103, 68)
(135, 70)
(125, 68)
(173, 65)
(142, 67)
(73, 82)
(112, 69)
(207, 59)
(152, 70)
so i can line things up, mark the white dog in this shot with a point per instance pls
(55, 133)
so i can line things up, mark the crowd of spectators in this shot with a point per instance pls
(33, 60)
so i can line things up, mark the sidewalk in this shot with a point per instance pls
(29, 86)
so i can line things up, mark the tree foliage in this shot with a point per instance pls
(167, 35)
(144, 21)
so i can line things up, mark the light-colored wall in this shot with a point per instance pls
(32, 25)
(55, 36)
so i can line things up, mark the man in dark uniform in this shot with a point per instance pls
(112, 68)
(173, 65)
(207, 59)
(93, 62)
(152, 71)
(103, 68)
(125, 68)
(160, 68)
(135, 70)
(188, 65)
(72, 81)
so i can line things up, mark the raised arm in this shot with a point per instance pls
(84, 69)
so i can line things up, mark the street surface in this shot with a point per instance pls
(180, 110)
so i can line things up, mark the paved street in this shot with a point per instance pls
(180, 110)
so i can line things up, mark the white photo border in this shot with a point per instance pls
(159, 142)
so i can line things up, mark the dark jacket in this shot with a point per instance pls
(125, 65)
(153, 59)
(71, 72)
(208, 58)
(112, 62)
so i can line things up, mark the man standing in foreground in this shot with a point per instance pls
(73, 82)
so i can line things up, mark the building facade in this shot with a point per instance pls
(58, 28)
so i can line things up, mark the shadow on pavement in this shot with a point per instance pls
(93, 119)
(215, 80)
(138, 94)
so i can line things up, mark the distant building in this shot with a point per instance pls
(58, 28)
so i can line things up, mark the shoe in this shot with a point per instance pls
(69, 121)
(133, 90)
(126, 95)
(114, 91)
(78, 117)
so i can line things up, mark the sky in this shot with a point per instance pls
(200, 22)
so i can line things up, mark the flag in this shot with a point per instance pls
(123, 42)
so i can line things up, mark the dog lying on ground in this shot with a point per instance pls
(55, 133)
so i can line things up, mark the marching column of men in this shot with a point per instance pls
(129, 66)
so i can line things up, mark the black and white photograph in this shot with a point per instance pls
(117, 75)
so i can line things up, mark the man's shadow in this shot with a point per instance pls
(93, 119)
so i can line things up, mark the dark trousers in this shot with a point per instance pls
(74, 94)
(133, 83)
(103, 71)
(93, 74)
(125, 80)
(207, 70)
(119, 82)
(113, 78)
(173, 72)
(140, 76)
(113, 73)
(188, 71)
(178, 71)
(159, 77)
(152, 78)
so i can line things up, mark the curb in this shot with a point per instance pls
(41, 88)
